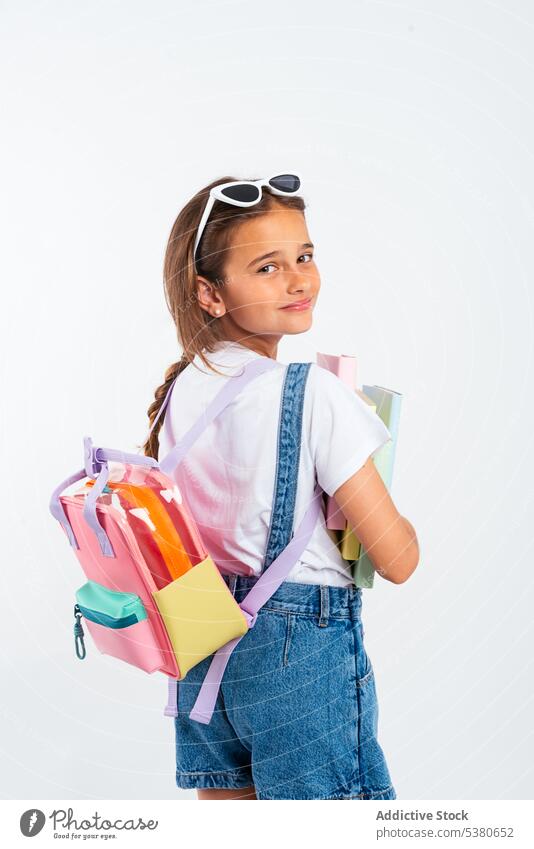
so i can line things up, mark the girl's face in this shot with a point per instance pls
(269, 265)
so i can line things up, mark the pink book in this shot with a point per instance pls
(345, 367)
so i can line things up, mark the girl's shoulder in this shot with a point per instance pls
(327, 388)
(343, 430)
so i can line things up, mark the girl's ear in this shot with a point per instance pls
(208, 297)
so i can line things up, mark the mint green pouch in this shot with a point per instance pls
(109, 607)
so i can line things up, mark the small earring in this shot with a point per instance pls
(217, 312)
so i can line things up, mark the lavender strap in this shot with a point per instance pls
(171, 708)
(89, 511)
(231, 388)
(260, 593)
(164, 405)
(57, 509)
(96, 459)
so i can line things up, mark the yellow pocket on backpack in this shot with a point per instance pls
(200, 614)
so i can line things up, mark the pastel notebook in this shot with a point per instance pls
(386, 403)
(345, 367)
(348, 543)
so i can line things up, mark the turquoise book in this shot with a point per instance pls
(387, 403)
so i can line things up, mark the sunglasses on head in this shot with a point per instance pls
(246, 193)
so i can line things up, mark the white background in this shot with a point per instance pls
(411, 124)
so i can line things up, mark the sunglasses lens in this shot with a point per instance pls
(285, 183)
(242, 192)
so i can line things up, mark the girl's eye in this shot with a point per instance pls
(270, 264)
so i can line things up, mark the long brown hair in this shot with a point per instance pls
(198, 332)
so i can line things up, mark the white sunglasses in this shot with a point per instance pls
(246, 193)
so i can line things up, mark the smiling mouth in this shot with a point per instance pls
(298, 305)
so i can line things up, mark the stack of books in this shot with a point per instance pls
(386, 403)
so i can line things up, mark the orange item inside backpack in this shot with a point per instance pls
(165, 534)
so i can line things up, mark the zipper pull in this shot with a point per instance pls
(78, 633)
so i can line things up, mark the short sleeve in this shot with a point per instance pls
(343, 430)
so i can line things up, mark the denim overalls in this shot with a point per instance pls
(297, 712)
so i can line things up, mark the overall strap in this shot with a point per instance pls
(287, 461)
(281, 554)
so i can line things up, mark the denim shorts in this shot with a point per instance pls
(297, 712)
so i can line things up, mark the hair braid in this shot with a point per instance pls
(151, 446)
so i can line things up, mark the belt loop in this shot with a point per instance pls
(325, 606)
(232, 584)
(355, 603)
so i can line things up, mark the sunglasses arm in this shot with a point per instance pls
(203, 220)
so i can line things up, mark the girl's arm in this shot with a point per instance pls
(388, 538)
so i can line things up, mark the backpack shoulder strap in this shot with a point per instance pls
(284, 560)
(96, 458)
(231, 388)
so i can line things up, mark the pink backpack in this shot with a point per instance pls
(154, 597)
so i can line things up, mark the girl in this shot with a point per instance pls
(296, 716)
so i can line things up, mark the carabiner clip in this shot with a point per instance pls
(78, 633)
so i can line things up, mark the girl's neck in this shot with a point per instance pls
(265, 346)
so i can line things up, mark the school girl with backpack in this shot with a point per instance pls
(296, 712)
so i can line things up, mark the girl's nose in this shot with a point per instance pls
(299, 279)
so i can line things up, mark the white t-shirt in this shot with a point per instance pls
(233, 462)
